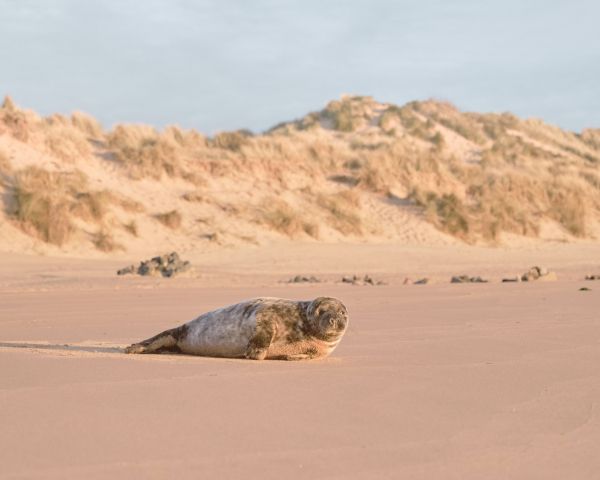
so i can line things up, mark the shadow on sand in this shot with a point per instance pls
(61, 347)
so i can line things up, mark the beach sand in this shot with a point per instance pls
(430, 381)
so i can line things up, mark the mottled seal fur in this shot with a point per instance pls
(258, 329)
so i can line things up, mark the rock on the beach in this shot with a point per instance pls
(467, 279)
(126, 270)
(366, 280)
(168, 265)
(516, 278)
(303, 279)
(539, 273)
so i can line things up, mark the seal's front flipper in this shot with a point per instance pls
(261, 340)
(295, 356)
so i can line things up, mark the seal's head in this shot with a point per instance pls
(328, 317)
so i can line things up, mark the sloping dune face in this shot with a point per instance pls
(359, 170)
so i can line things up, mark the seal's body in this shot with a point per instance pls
(262, 328)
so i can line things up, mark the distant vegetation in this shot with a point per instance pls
(327, 175)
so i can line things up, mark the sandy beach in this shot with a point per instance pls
(431, 381)
(299, 240)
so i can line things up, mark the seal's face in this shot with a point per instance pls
(329, 316)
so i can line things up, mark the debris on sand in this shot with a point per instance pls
(584, 289)
(516, 278)
(168, 265)
(366, 280)
(303, 279)
(540, 274)
(467, 279)
(420, 281)
(592, 277)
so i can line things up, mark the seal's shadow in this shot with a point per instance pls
(61, 347)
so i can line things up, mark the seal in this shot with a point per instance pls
(257, 329)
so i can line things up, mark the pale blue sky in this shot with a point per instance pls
(222, 65)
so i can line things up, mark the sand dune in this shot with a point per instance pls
(421, 174)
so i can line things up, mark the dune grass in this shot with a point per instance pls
(104, 241)
(342, 211)
(281, 217)
(92, 206)
(446, 211)
(144, 152)
(171, 219)
(474, 176)
(14, 120)
(43, 202)
(87, 124)
(131, 227)
(233, 141)
(5, 164)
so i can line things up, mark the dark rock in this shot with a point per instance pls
(592, 277)
(460, 279)
(511, 279)
(126, 270)
(366, 280)
(422, 281)
(303, 279)
(478, 280)
(467, 279)
(168, 265)
(538, 273)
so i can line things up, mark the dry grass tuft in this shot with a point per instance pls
(92, 206)
(373, 179)
(342, 116)
(445, 211)
(104, 241)
(87, 124)
(14, 120)
(127, 204)
(342, 211)
(65, 142)
(8, 103)
(280, 216)
(144, 152)
(567, 207)
(170, 219)
(409, 119)
(131, 227)
(5, 164)
(233, 141)
(43, 202)
(194, 197)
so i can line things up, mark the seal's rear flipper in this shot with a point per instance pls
(165, 341)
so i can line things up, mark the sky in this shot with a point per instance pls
(218, 65)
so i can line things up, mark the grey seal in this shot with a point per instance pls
(258, 329)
